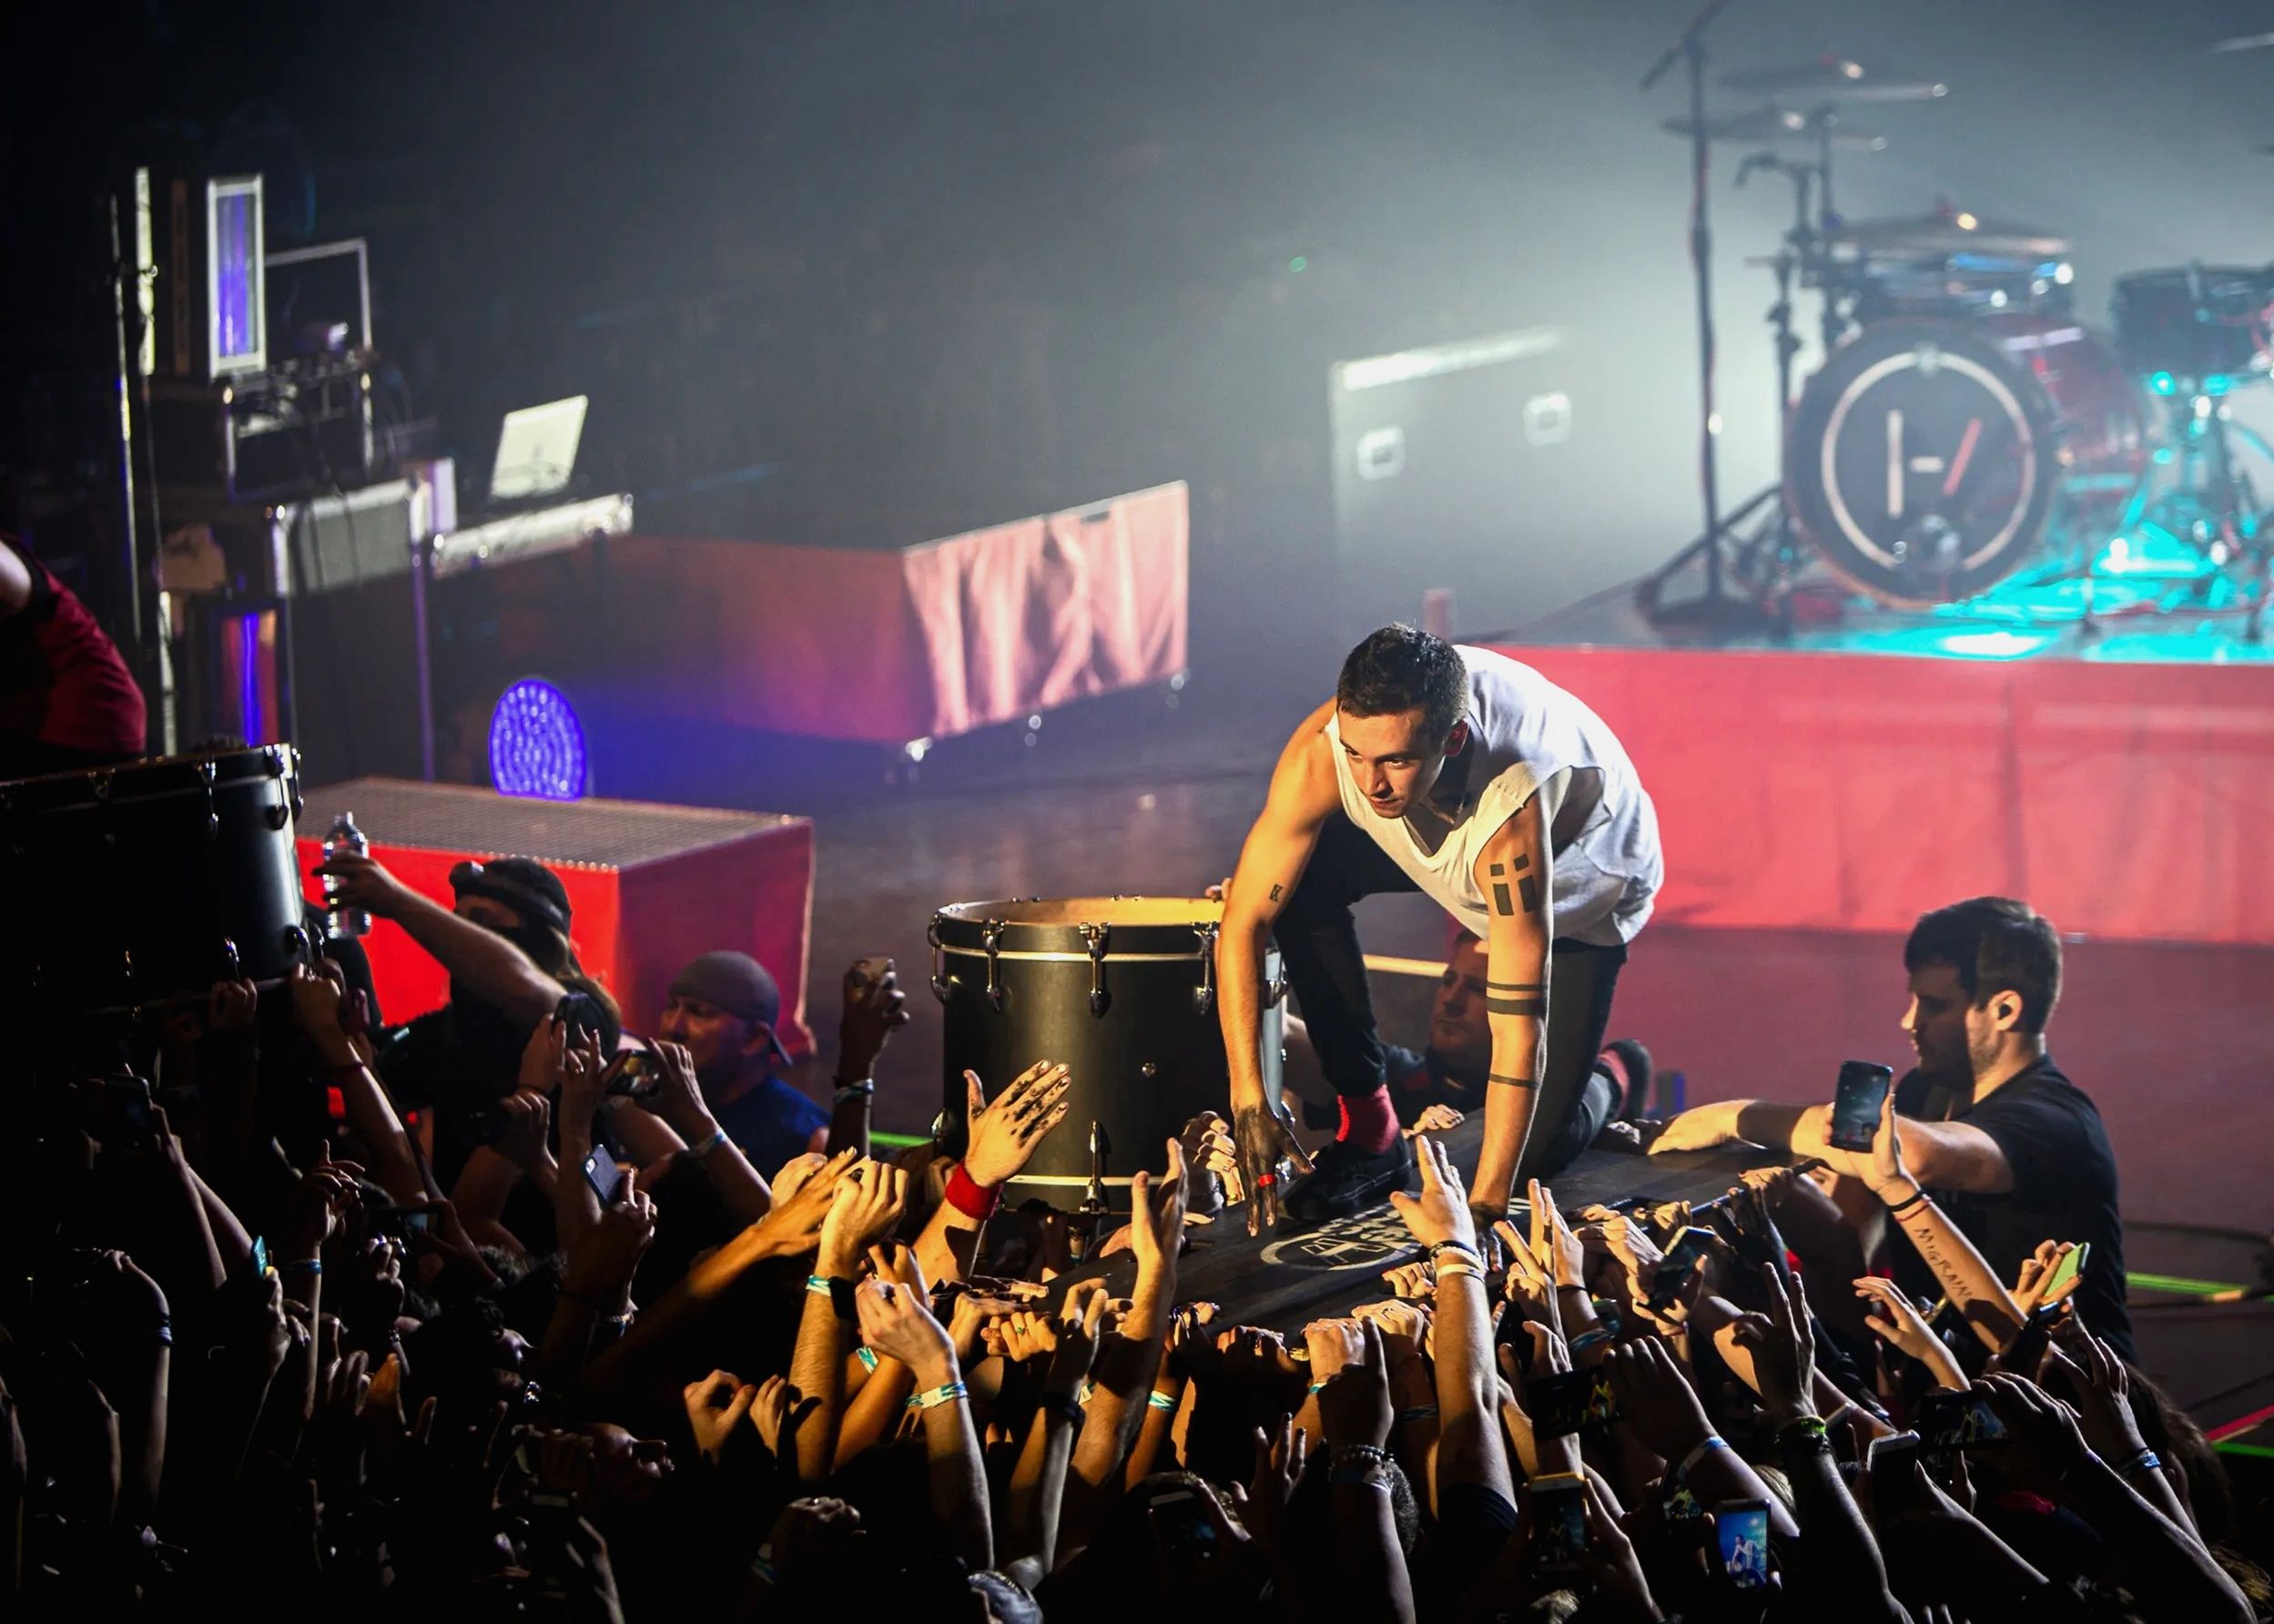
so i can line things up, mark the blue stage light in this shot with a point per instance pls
(2163, 383)
(537, 744)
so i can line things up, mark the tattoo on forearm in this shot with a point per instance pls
(1536, 1007)
(1514, 1082)
(1275, 892)
(1526, 887)
(1515, 986)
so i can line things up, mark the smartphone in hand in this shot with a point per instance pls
(2066, 1273)
(1856, 1104)
(1953, 1421)
(604, 1174)
(1742, 1529)
(1558, 1520)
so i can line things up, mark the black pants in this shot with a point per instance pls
(1318, 945)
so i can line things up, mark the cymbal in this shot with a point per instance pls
(1950, 231)
(1831, 78)
(1768, 124)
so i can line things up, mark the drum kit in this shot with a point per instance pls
(1967, 425)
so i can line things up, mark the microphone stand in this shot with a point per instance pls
(1713, 608)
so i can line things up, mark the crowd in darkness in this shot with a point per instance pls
(507, 1314)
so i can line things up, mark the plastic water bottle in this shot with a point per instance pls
(343, 835)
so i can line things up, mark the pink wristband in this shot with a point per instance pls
(970, 1197)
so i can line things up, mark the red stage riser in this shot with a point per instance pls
(637, 922)
(1852, 792)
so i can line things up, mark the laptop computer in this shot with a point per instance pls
(536, 451)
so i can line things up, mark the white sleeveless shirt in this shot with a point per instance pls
(1532, 738)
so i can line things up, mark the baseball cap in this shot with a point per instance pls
(519, 883)
(738, 984)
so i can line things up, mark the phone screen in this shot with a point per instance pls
(1558, 1519)
(1681, 1262)
(1562, 1404)
(1952, 1421)
(602, 1172)
(2065, 1274)
(1742, 1529)
(1181, 1523)
(1856, 1102)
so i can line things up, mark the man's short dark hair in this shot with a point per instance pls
(1996, 945)
(1399, 669)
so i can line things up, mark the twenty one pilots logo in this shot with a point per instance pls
(1368, 1241)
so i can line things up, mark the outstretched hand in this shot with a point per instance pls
(1263, 1140)
(1440, 1212)
(1004, 1134)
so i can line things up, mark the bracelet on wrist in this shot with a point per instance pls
(968, 1196)
(1158, 1400)
(1706, 1446)
(1462, 1247)
(866, 1089)
(1810, 1427)
(1898, 1208)
(1452, 1269)
(300, 1265)
(1358, 1466)
(1592, 1337)
(1420, 1412)
(2147, 1460)
(710, 1141)
(867, 1355)
(933, 1397)
(1064, 1405)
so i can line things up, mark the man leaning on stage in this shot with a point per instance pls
(2011, 1152)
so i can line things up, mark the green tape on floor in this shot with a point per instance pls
(2184, 1286)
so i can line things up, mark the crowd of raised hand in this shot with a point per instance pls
(857, 1383)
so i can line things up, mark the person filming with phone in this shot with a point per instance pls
(1992, 1130)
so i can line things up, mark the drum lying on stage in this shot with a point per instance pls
(134, 885)
(1927, 455)
(1123, 989)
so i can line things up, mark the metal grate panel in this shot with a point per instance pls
(455, 818)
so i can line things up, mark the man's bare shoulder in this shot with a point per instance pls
(1305, 777)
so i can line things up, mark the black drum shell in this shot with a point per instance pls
(1148, 1060)
(129, 887)
(2194, 322)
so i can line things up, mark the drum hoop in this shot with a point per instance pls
(1121, 1181)
(1035, 955)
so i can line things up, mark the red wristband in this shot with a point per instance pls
(970, 1198)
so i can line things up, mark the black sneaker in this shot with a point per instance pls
(1641, 1075)
(1342, 1181)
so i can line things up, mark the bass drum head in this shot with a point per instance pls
(1922, 462)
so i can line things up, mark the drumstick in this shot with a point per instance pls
(1965, 455)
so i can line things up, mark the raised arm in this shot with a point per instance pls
(478, 958)
(1469, 1449)
(1278, 847)
(875, 1007)
(1514, 871)
(1966, 1277)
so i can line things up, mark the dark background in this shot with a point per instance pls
(951, 262)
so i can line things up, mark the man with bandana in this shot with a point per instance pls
(506, 946)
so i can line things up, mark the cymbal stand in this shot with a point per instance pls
(1776, 536)
(1713, 608)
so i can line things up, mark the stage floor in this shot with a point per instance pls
(1128, 796)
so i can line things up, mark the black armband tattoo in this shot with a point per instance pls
(1515, 986)
(1514, 1082)
(1526, 887)
(1535, 1008)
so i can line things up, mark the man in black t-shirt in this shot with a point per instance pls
(2011, 1152)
